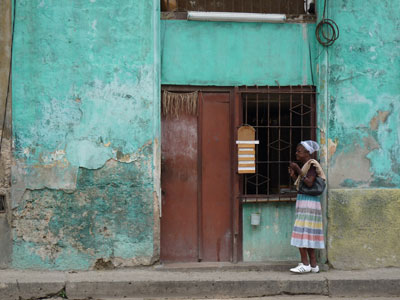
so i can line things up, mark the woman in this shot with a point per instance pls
(308, 233)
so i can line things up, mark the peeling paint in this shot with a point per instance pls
(381, 117)
(84, 132)
(332, 146)
(351, 166)
(364, 97)
(102, 218)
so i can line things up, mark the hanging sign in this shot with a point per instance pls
(246, 150)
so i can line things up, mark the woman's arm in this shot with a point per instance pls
(310, 177)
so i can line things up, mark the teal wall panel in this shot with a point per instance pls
(86, 133)
(269, 241)
(363, 95)
(360, 132)
(229, 54)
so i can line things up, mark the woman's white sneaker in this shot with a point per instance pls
(301, 268)
(315, 270)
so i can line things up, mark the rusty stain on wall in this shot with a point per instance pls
(380, 118)
(332, 146)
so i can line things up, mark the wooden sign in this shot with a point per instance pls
(246, 150)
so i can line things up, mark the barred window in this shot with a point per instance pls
(282, 117)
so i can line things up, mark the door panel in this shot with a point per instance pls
(216, 180)
(179, 222)
(196, 221)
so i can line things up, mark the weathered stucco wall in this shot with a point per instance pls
(229, 54)
(86, 133)
(364, 228)
(361, 128)
(5, 154)
(364, 95)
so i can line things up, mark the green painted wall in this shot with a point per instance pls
(5, 157)
(364, 95)
(269, 241)
(360, 130)
(86, 133)
(229, 54)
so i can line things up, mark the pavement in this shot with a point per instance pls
(196, 281)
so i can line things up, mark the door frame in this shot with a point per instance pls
(235, 118)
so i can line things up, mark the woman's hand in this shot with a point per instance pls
(294, 170)
(295, 167)
(291, 172)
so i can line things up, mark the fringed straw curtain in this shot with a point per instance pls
(174, 104)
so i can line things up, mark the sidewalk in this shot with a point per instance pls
(197, 281)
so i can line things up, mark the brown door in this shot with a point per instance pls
(196, 223)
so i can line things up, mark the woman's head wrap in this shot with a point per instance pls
(310, 146)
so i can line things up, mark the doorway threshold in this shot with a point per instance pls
(279, 266)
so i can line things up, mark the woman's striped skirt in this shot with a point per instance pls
(308, 229)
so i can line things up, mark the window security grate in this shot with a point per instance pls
(282, 117)
(295, 7)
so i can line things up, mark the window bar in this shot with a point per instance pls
(301, 116)
(279, 144)
(257, 148)
(313, 107)
(300, 7)
(269, 165)
(290, 133)
(246, 122)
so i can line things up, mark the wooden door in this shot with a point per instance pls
(196, 223)
(216, 179)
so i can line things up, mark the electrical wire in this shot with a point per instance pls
(9, 77)
(327, 31)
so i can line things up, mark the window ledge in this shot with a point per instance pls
(176, 15)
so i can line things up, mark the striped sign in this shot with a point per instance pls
(247, 156)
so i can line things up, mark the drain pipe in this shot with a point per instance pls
(235, 17)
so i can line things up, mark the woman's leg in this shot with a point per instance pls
(303, 255)
(313, 258)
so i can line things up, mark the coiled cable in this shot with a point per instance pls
(327, 31)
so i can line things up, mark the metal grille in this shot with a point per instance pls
(251, 6)
(282, 117)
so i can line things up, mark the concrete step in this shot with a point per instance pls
(287, 297)
(279, 266)
(151, 283)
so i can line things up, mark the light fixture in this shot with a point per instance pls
(235, 17)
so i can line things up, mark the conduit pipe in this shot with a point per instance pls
(235, 17)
